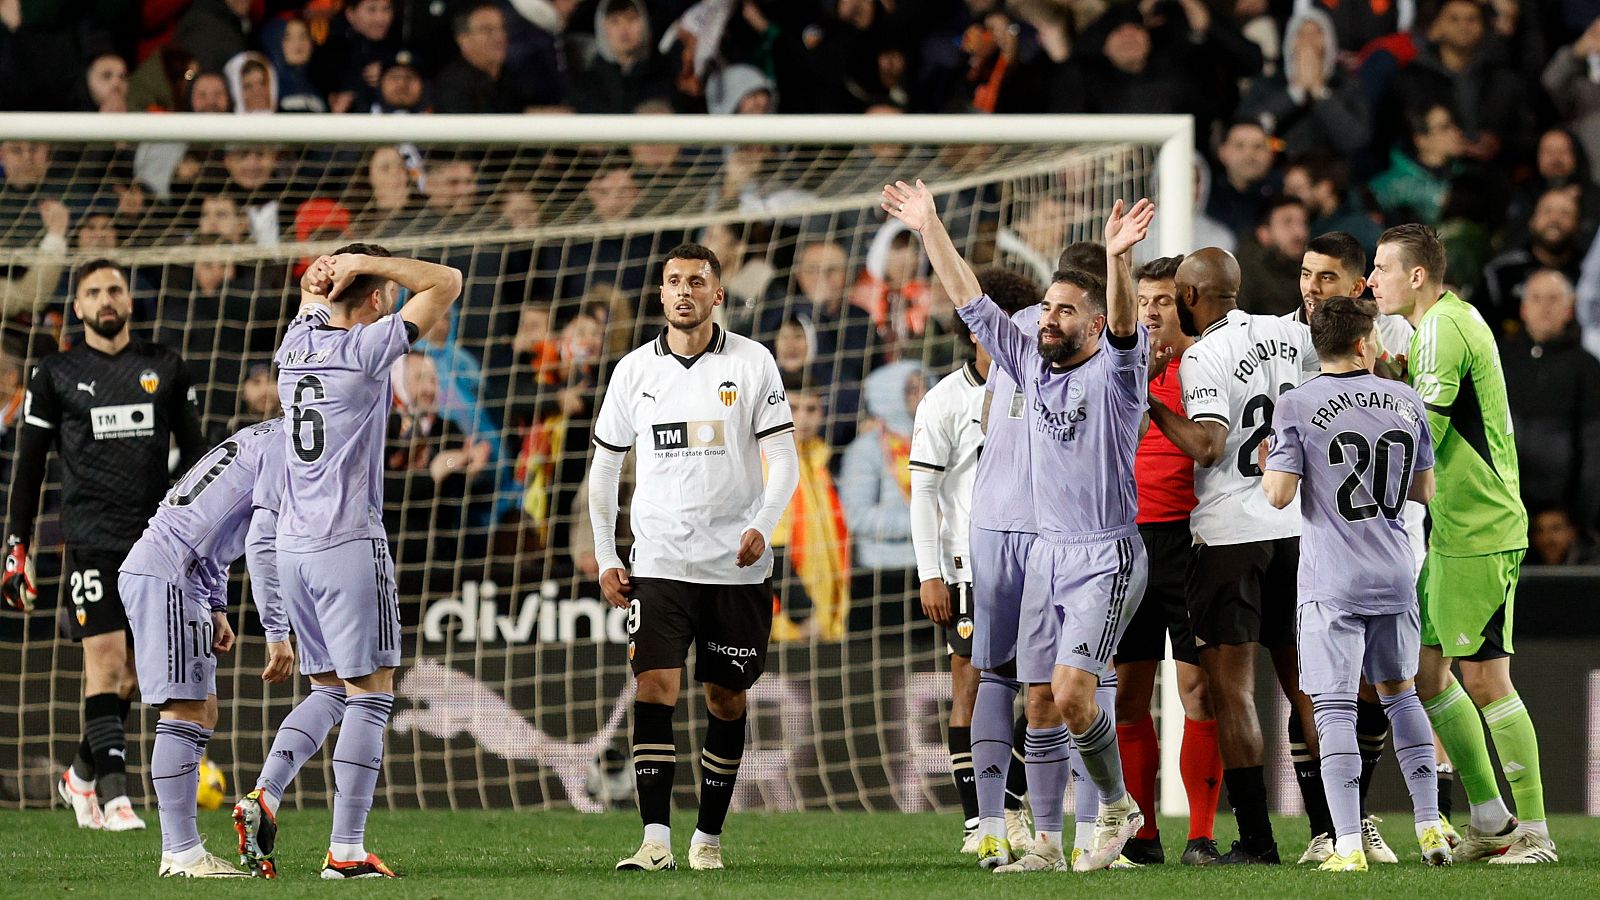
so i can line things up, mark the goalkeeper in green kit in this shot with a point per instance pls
(1480, 532)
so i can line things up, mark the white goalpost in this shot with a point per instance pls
(516, 682)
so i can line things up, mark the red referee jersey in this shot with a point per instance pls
(1163, 473)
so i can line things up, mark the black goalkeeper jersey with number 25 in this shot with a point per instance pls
(113, 417)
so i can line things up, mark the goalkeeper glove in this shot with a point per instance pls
(17, 586)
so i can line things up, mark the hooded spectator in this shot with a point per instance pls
(1309, 103)
(741, 89)
(626, 70)
(1358, 23)
(875, 477)
(252, 84)
(287, 45)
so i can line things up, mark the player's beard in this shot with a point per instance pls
(1065, 346)
(108, 327)
(1186, 319)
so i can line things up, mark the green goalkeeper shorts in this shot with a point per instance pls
(1467, 603)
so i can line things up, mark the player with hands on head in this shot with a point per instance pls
(333, 560)
(174, 586)
(1356, 448)
(1085, 375)
(699, 408)
(111, 407)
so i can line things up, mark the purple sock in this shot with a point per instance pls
(1413, 746)
(175, 769)
(991, 741)
(1102, 759)
(300, 736)
(1047, 751)
(357, 760)
(1086, 798)
(1341, 759)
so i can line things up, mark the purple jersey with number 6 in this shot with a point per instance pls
(1356, 441)
(334, 385)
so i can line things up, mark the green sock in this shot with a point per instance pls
(1518, 746)
(1460, 730)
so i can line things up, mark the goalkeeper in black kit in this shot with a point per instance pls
(110, 407)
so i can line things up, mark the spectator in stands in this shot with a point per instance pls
(26, 290)
(451, 195)
(1208, 232)
(538, 44)
(746, 276)
(811, 544)
(400, 88)
(1310, 103)
(1573, 90)
(1269, 263)
(212, 325)
(827, 54)
(433, 471)
(1554, 539)
(875, 491)
(1357, 23)
(25, 166)
(1461, 68)
(385, 199)
(13, 358)
(654, 159)
(1118, 68)
(208, 93)
(1413, 187)
(351, 58)
(258, 398)
(105, 84)
(1552, 243)
(221, 216)
(254, 183)
(288, 47)
(1559, 162)
(1245, 179)
(1554, 386)
(97, 230)
(460, 385)
(1321, 181)
(625, 70)
(893, 287)
(252, 83)
(620, 259)
(549, 466)
(215, 31)
(479, 81)
(741, 90)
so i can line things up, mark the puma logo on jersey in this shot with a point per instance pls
(648, 396)
(86, 387)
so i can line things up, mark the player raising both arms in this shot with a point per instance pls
(1165, 477)
(111, 406)
(174, 585)
(1085, 397)
(333, 556)
(1480, 533)
(699, 407)
(1357, 447)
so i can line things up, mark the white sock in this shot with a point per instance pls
(970, 824)
(1347, 844)
(1045, 839)
(271, 801)
(661, 834)
(1083, 836)
(1424, 826)
(1540, 827)
(115, 800)
(348, 852)
(993, 826)
(190, 856)
(700, 837)
(78, 784)
(1491, 817)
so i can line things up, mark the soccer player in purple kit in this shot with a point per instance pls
(333, 558)
(174, 587)
(1086, 396)
(1357, 447)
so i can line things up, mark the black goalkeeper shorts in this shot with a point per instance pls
(728, 624)
(90, 603)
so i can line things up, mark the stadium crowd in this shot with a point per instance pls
(1479, 118)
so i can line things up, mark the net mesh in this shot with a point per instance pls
(516, 682)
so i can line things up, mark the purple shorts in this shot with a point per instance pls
(343, 606)
(1076, 602)
(1338, 648)
(172, 637)
(999, 559)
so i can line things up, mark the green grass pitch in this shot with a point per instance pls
(461, 855)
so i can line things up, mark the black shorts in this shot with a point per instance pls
(958, 637)
(1164, 609)
(728, 624)
(90, 603)
(1244, 593)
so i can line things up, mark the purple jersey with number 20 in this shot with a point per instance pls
(334, 385)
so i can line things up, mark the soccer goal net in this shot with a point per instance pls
(515, 690)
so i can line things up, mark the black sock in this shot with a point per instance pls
(108, 744)
(961, 770)
(1447, 780)
(1308, 772)
(655, 761)
(1247, 794)
(719, 769)
(1372, 730)
(1017, 772)
(83, 763)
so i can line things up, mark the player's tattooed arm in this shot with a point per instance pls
(1201, 441)
(915, 207)
(1125, 228)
